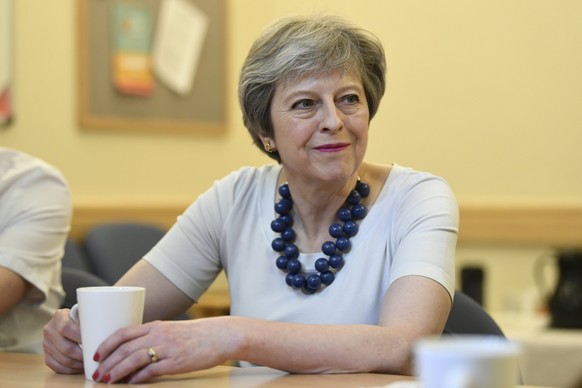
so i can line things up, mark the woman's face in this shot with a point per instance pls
(320, 125)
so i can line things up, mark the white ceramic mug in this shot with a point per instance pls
(467, 362)
(101, 311)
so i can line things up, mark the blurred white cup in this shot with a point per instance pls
(467, 362)
(100, 312)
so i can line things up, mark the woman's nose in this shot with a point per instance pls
(331, 120)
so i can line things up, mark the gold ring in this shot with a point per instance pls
(152, 355)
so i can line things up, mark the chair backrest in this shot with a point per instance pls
(113, 248)
(469, 317)
(74, 257)
(74, 278)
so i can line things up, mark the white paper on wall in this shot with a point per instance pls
(178, 43)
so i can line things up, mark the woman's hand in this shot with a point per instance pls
(62, 336)
(180, 346)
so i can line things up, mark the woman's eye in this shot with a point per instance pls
(351, 99)
(303, 104)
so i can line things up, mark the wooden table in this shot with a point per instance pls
(29, 371)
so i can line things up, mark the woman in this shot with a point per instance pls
(305, 297)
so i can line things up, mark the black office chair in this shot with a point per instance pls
(74, 257)
(469, 317)
(73, 278)
(113, 248)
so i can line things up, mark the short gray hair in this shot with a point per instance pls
(297, 46)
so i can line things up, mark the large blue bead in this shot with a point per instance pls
(350, 228)
(363, 189)
(354, 197)
(313, 281)
(287, 219)
(291, 251)
(284, 191)
(308, 290)
(336, 261)
(343, 244)
(283, 206)
(278, 225)
(344, 214)
(336, 230)
(321, 264)
(294, 266)
(359, 211)
(278, 244)
(328, 248)
(298, 281)
(282, 263)
(288, 234)
(327, 278)
(289, 279)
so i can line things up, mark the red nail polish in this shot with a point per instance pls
(96, 357)
(95, 375)
(106, 378)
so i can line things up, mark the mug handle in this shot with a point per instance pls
(74, 314)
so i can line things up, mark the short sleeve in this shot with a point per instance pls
(189, 254)
(426, 230)
(35, 215)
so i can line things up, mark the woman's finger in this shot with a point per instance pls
(129, 365)
(139, 366)
(119, 338)
(60, 364)
(57, 343)
(123, 353)
(153, 370)
(61, 337)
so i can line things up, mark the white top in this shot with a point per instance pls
(35, 214)
(410, 230)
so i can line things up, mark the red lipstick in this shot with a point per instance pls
(335, 147)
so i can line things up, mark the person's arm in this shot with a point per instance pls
(62, 334)
(163, 300)
(36, 213)
(414, 307)
(13, 289)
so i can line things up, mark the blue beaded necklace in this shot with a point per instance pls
(326, 268)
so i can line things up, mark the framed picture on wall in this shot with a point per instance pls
(152, 65)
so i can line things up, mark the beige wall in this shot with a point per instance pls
(487, 94)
